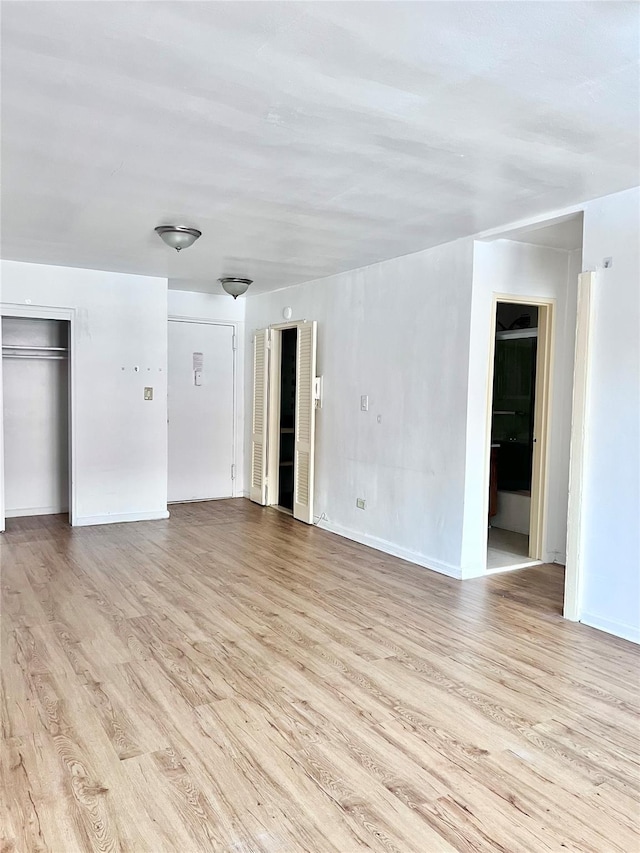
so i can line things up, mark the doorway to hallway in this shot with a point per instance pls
(519, 414)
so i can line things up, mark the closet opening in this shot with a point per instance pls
(35, 413)
(287, 418)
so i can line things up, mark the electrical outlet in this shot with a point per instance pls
(361, 503)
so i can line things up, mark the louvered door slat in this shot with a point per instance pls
(258, 492)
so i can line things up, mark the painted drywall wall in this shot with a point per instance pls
(217, 308)
(206, 306)
(35, 417)
(397, 332)
(610, 588)
(120, 440)
(518, 269)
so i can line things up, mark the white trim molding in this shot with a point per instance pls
(617, 629)
(577, 453)
(119, 518)
(389, 548)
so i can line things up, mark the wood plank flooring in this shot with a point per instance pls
(231, 680)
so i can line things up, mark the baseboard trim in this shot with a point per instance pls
(391, 549)
(200, 500)
(618, 629)
(38, 510)
(119, 518)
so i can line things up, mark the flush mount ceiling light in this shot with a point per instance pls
(177, 236)
(235, 286)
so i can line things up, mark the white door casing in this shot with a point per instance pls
(579, 420)
(305, 422)
(259, 416)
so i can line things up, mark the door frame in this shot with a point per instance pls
(236, 481)
(43, 312)
(542, 416)
(273, 410)
(579, 438)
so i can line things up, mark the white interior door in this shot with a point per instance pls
(259, 416)
(200, 411)
(305, 422)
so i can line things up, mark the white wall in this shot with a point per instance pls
(120, 441)
(611, 499)
(407, 333)
(215, 307)
(397, 331)
(518, 269)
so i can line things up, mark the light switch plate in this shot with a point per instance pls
(364, 403)
(148, 393)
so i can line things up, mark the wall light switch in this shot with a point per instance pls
(361, 503)
(148, 393)
(364, 403)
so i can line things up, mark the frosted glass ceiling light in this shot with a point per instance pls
(177, 236)
(235, 286)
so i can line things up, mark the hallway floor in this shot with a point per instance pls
(506, 548)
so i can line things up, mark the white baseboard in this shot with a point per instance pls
(392, 549)
(618, 629)
(37, 510)
(199, 500)
(118, 518)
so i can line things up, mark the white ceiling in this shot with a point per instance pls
(303, 139)
(564, 233)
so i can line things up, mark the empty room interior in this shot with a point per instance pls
(320, 427)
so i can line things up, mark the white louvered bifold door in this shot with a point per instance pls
(258, 492)
(305, 422)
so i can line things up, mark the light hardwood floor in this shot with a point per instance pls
(232, 680)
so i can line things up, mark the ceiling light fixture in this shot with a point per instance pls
(178, 236)
(235, 286)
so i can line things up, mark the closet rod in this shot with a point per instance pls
(34, 355)
(27, 347)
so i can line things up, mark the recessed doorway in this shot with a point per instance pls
(285, 394)
(287, 419)
(519, 415)
(36, 414)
